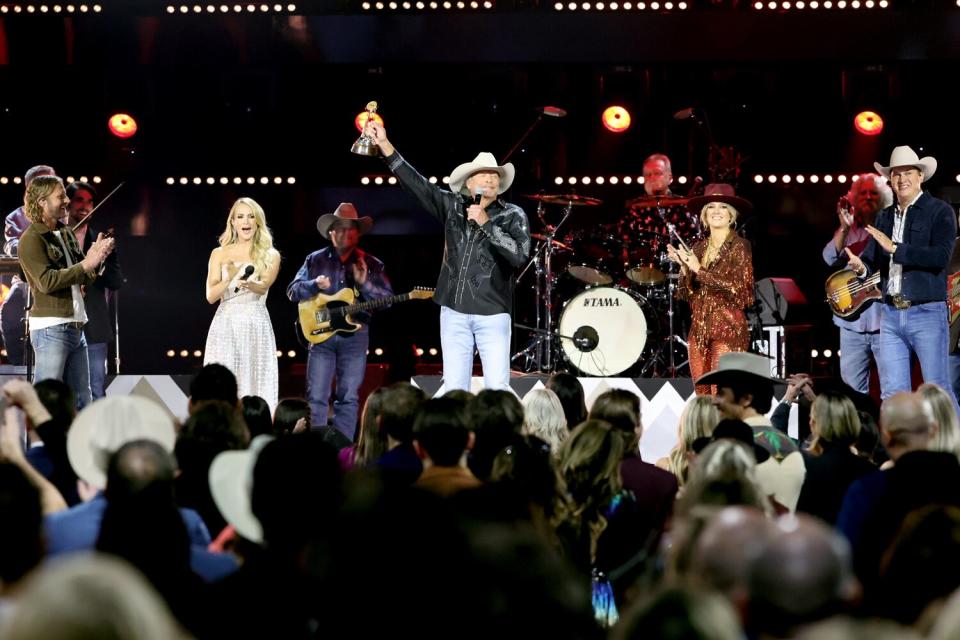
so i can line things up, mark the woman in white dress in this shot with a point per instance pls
(239, 275)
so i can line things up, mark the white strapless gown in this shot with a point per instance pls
(241, 339)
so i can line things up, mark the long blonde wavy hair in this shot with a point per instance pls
(698, 419)
(40, 187)
(262, 252)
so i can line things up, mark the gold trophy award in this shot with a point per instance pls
(364, 146)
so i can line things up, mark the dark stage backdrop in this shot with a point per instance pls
(275, 96)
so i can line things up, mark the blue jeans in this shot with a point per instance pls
(856, 350)
(921, 329)
(346, 356)
(460, 333)
(60, 352)
(97, 355)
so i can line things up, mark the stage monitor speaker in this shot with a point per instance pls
(776, 298)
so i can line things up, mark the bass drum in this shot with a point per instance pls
(604, 330)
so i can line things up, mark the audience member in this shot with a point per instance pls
(699, 417)
(372, 440)
(543, 417)
(496, 418)
(87, 597)
(143, 526)
(213, 382)
(256, 413)
(830, 463)
(441, 439)
(400, 464)
(802, 576)
(570, 393)
(291, 416)
(213, 427)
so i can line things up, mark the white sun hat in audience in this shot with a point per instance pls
(231, 484)
(109, 423)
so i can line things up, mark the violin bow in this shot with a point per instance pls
(92, 211)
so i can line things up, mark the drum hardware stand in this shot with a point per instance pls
(585, 338)
(542, 343)
(672, 279)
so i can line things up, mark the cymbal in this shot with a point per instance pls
(556, 243)
(666, 200)
(567, 199)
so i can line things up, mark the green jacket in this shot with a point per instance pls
(45, 266)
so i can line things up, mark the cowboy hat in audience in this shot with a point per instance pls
(108, 424)
(231, 484)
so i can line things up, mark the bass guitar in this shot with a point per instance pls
(323, 316)
(847, 294)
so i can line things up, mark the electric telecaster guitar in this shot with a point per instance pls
(323, 316)
(847, 294)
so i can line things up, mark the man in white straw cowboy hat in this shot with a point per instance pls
(485, 241)
(911, 244)
(859, 334)
(343, 264)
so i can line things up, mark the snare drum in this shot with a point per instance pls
(604, 330)
(594, 259)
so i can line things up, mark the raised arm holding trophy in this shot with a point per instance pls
(485, 240)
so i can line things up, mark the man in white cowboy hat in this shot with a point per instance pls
(745, 392)
(911, 244)
(98, 432)
(860, 334)
(327, 271)
(485, 241)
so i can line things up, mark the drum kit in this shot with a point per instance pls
(614, 287)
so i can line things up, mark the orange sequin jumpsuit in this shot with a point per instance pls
(717, 297)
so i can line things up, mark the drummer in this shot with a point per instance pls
(657, 175)
(643, 218)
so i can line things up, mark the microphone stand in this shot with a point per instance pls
(671, 289)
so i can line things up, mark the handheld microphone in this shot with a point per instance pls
(693, 188)
(246, 274)
(477, 194)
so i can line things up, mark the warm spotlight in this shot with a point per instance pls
(361, 120)
(868, 123)
(122, 125)
(616, 119)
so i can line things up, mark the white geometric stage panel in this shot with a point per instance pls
(661, 403)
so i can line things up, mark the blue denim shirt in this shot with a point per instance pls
(326, 262)
(928, 239)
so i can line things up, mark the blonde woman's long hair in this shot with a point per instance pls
(699, 417)
(588, 470)
(262, 253)
(834, 420)
(941, 406)
(543, 417)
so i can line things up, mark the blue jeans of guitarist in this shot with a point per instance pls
(343, 356)
(856, 351)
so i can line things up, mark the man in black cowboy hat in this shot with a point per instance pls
(485, 241)
(745, 392)
(911, 244)
(327, 271)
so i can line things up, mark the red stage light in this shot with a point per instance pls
(122, 125)
(616, 119)
(361, 120)
(868, 123)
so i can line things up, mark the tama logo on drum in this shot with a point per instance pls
(601, 302)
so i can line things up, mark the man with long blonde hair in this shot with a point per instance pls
(55, 266)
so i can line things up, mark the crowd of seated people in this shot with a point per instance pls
(480, 515)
